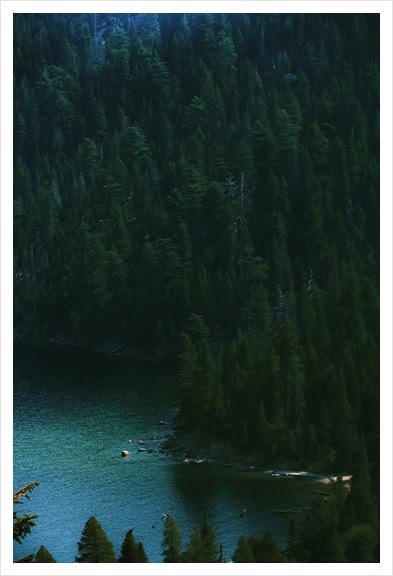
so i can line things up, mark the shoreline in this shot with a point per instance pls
(110, 347)
(191, 450)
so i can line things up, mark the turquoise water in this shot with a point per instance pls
(73, 414)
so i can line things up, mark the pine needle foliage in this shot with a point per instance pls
(94, 545)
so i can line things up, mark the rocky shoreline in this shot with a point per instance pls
(193, 448)
(109, 347)
(190, 448)
(217, 453)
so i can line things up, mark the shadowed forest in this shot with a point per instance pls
(205, 187)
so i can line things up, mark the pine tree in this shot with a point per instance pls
(23, 524)
(172, 541)
(43, 555)
(184, 383)
(361, 499)
(142, 554)
(94, 545)
(209, 541)
(195, 551)
(266, 549)
(287, 139)
(129, 549)
(319, 534)
(361, 544)
(26, 559)
(243, 552)
(292, 375)
(207, 390)
(202, 546)
(294, 550)
(334, 548)
(344, 423)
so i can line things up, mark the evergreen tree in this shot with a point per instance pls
(209, 541)
(361, 500)
(361, 544)
(184, 382)
(320, 537)
(195, 551)
(129, 549)
(94, 545)
(266, 549)
(26, 559)
(243, 552)
(142, 554)
(23, 524)
(294, 550)
(172, 541)
(197, 174)
(43, 555)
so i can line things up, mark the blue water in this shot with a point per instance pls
(74, 413)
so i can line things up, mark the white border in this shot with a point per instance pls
(7, 10)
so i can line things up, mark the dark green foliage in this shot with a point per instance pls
(142, 554)
(94, 545)
(172, 541)
(203, 545)
(209, 541)
(43, 555)
(266, 549)
(259, 549)
(319, 534)
(335, 528)
(26, 559)
(360, 544)
(207, 187)
(23, 524)
(195, 551)
(243, 552)
(362, 502)
(294, 550)
(131, 551)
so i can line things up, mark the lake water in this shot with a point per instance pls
(74, 413)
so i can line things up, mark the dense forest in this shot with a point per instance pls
(206, 187)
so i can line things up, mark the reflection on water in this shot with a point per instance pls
(74, 413)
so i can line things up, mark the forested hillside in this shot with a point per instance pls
(206, 186)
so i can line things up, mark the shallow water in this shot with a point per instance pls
(74, 413)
